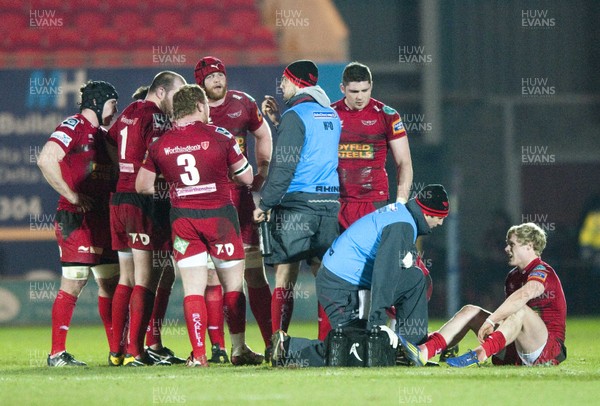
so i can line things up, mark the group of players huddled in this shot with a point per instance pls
(169, 186)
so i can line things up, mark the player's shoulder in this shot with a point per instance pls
(541, 271)
(339, 105)
(220, 133)
(73, 123)
(239, 96)
(381, 108)
(69, 129)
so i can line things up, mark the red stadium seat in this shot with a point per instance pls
(11, 5)
(247, 19)
(128, 20)
(105, 38)
(166, 20)
(206, 19)
(12, 22)
(90, 21)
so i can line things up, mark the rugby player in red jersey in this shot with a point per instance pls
(140, 230)
(197, 161)
(369, 130)
(238, 113)
(76, 163)
(528, 328)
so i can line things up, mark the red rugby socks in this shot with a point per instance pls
(260, 304)
(62, 312)
(120, 316)
(214, 308)
(161, 301)
(194, 311)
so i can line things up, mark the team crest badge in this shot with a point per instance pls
(204, 145)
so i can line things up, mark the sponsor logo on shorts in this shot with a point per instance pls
(355, 150)
(196, 190)
(82, 249)
(180, 245)
(141, 237)
(62, 137)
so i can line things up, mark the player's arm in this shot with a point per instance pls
(263, 150)
(49, 163)
(404, 170)
(511, 305)
(291, 138)
(241, 172)
(144, 182)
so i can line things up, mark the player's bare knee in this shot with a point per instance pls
(74, 278)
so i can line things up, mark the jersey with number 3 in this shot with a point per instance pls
(141, 123)
(363, 150)
(195, 160)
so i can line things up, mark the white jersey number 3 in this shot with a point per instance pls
(191, 175)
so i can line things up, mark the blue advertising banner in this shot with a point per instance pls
(36, 102)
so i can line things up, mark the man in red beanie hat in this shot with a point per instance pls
(238, 113)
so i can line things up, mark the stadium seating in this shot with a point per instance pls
(111, 33)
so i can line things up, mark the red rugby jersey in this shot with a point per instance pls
(86, 167)
(551, 305)
(137, 127)
(363, 150)
(238, 114)
(195, 160)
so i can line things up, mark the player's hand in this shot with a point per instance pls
(485, 330)
(84, 201)
(270, 108)
(260, 215)
(391, 334)
(257, 183)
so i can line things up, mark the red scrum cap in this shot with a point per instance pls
(207, 66)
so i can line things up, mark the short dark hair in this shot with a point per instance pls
(356, 72)
(185, 99)
(165, 79)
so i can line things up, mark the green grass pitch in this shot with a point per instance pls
(25, 379)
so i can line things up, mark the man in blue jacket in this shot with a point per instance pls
(302, 188)
(377, 252)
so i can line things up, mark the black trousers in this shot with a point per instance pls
(406, 291)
